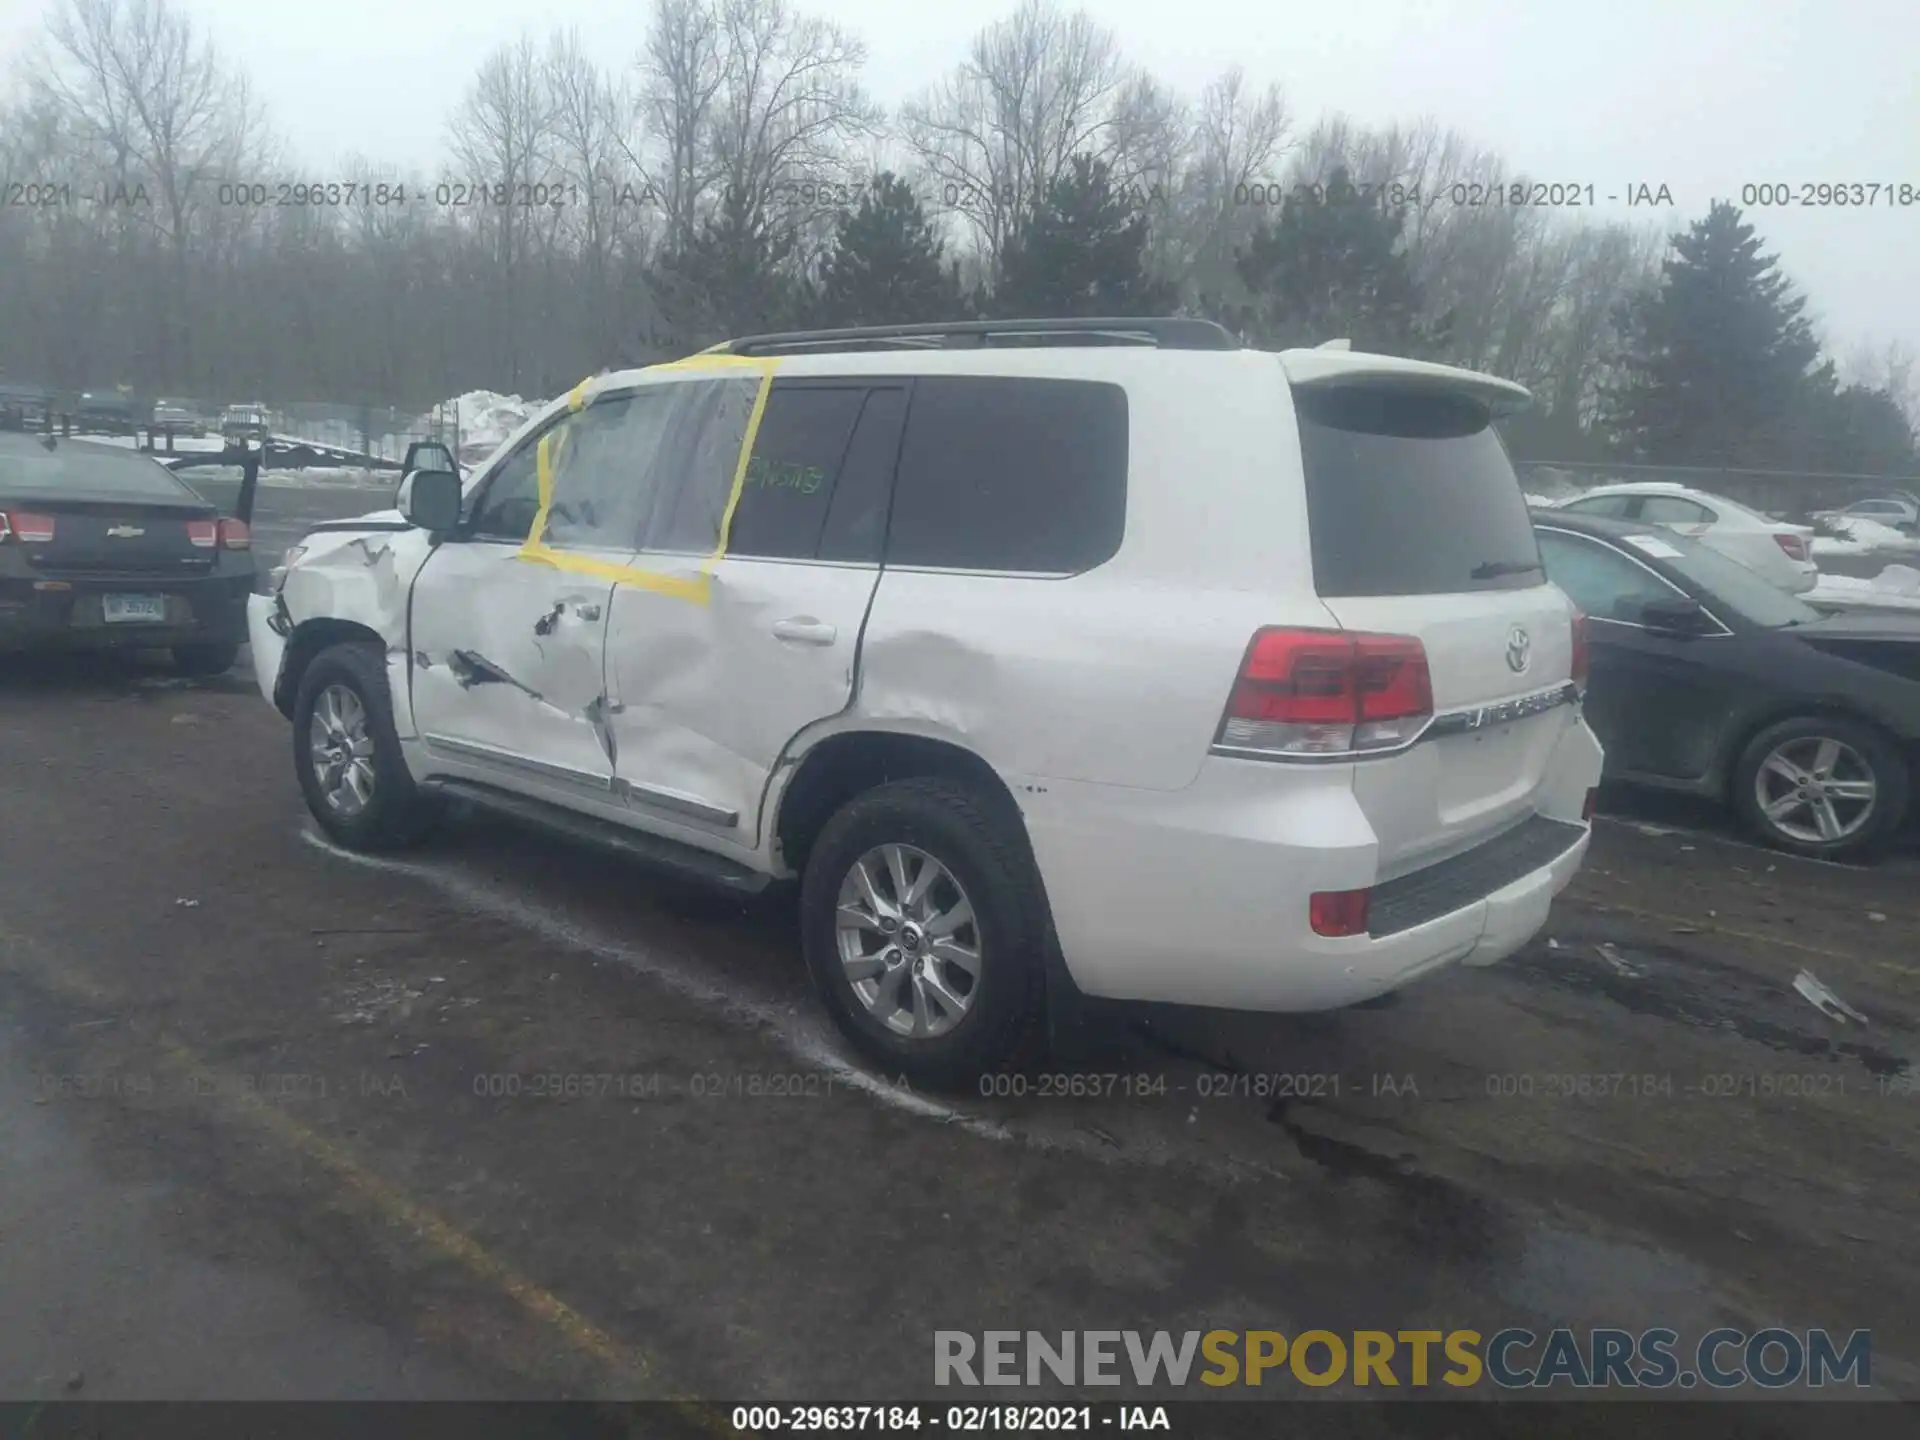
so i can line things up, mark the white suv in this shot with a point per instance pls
(1054, 659)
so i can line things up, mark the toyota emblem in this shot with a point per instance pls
(1519, 650)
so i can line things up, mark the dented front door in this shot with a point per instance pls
(509, 617)
(508, 665)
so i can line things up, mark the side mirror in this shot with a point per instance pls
(430, 499)
(1681, 617)
(429, 455)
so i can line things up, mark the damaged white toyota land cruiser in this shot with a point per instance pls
(1054, 659)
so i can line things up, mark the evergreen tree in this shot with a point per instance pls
(734, 276)
(1853, 430)
(1082, 251)
(887, 265)
(1717, 358)
(1332, 267)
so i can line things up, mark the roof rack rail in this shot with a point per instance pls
(1163, 332)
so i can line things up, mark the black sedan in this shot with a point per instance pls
(1705, 678)
(102, 547)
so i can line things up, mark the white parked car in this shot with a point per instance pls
(1893, 511)
(1783, 553)
(1154, 671)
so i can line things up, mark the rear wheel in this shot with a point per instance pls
(924, 928)
(1824, 787)
(347, 754)
(205, 660)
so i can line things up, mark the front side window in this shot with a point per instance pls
(606, 470)
(507, 505)
(1605, 584)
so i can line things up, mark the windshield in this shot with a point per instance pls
(1727, 584)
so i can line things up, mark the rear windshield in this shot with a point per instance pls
(1727, 583)
(1410, 494)
(28, 470)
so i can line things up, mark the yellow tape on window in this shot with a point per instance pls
(696, 588)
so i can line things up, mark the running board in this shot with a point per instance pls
(670, 855)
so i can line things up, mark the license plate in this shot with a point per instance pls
(122, 609)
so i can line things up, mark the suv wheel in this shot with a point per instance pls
(924, 927)
(1822, 787)
(348, 756)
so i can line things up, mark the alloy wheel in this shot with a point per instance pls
(341, 750)
(1816, 789)
(908, 941)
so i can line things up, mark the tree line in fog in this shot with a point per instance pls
(735, 176)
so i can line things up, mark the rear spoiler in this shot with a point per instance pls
(1315, 369)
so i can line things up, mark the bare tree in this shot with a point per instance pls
(144, 94)
(601, 199)
(790, 103)
(682, 69)
(503, 139)
(1035, 90)
(1239, 138)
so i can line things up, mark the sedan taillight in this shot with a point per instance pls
(26, 527)
(234, 535)
(1794, 545)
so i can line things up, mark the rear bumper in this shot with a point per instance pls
(1200, 897)
(37, 613)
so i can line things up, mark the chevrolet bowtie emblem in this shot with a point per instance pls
(124, 532)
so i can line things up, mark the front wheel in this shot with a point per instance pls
(1824, 787)
(924, 928)
(347, 754)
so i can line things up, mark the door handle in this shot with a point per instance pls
(804, 630)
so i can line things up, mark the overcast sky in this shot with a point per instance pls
(1703, 96)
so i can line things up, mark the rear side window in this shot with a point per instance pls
(1673, 510)
(793, 471)
(1410, 494)
(1012, 474)
(1615, 506)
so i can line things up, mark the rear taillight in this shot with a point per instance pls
(26, 527)
(234, 535)
(1794, 545)
(1328, 692)
(1593, 800)
(1338, 912)
(1581, 652)
(204, 533)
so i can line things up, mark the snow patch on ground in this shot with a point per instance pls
(1863, 537)
(1895, 588)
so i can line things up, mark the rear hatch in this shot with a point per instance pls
(1420, 529)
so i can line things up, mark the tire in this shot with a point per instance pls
(385, 810)
(982, 852)
(1863, 753)
(205, 660)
